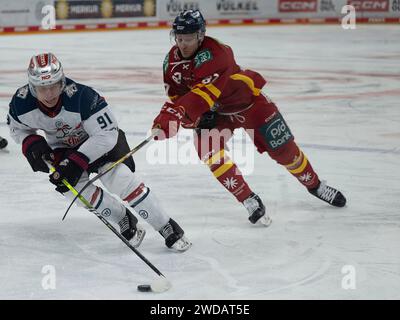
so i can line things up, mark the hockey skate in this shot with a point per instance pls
(174, 236)
(328, 194)
(131, 230)
(3, 143)
(256, 210)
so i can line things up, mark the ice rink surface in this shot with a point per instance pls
(339, 91)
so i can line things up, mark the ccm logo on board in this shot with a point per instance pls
(298, 5)
(370, 5)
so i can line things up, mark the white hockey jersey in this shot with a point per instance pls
(84, 121)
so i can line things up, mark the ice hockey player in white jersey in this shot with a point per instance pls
(81, 136)
(3, 142)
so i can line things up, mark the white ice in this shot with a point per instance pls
(339, 91)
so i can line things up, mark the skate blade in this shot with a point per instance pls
(138, 238)
(264, 221)
(181, 245)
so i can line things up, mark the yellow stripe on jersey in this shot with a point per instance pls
(172, 98)
(222, 169)
(214, 90)
(199, 85)
(248, 81)
(204, 95)
(219, 155)
(301, 168)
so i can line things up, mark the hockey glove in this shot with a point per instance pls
(168, 120)
(36, 150)
(70, 169)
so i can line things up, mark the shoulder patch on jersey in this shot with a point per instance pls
(70, 90)
(202, 57)
(22, 102)
(23, 92)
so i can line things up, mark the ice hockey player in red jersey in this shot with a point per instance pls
(211, 94)
(81, 136)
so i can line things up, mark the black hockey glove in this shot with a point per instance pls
(208, 120)
(3, 143)
(36, 150)
(71, 169)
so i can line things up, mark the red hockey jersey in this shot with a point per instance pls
(211, 80)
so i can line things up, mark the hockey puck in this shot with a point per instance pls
(144, 288)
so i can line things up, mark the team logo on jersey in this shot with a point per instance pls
(71, 89)
(202, 57)
(70, 136)
(23, 92)
(63, 129)
(230, 183)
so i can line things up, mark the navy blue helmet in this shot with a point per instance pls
(189, 21)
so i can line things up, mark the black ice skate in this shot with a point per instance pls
(3, 143)
(256, 210)
(328, 194)
(174, 236)
(131, 230)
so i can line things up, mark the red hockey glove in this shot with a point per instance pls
(168, 120)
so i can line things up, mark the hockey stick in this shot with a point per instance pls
(98, 176)
(160, 285)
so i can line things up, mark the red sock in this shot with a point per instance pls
(301, 168)
(233, 181)
(229, 175)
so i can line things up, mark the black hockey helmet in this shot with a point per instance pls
(189, 21)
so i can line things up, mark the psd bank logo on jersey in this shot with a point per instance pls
(276, 132)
